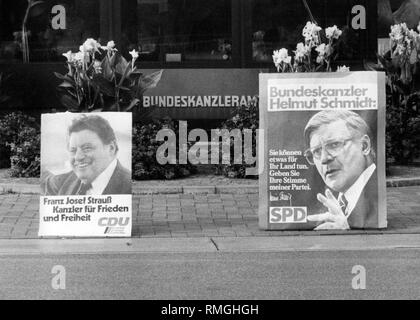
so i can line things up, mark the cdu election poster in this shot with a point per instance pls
(86, 175)
(324, 151)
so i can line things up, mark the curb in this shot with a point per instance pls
(402, 182)
(203, 190)
(19, 188)
(82, 246)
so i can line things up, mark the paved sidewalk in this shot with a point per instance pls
(202, 215)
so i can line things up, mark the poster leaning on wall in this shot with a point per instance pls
(324, 151)
(86, 175)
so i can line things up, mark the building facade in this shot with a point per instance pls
(210, 50)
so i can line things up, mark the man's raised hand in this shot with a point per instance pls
(334, 219)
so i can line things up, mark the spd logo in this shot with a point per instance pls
(288, 214)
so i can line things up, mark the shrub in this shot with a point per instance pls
(145, 145)
(402, 128)
(244, 117)
(20, 139)
(401, 65)
(4, 151)
(25, 159)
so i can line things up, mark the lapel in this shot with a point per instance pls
(71, 185)
(114, 183)
(365, 213)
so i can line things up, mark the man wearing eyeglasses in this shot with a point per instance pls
(93, 149)
(340, 148)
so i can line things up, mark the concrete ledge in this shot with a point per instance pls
(19, 188)
(403, 182)
(317, 243)
(157, 190)
(237, 189)
(208, 244)
(199, 189)
(103, 246)
(214, 189)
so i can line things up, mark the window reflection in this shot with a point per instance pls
(44, 42)
(279, 24)
(178, 30)
(397, 11)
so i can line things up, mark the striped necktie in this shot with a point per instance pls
(84, 187)
(343, 203)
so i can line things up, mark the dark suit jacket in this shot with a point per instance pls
(365, 213)
(69, 183)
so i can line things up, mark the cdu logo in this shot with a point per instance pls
(113, 222)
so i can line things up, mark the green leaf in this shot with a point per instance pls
(113, 107)
(60, 76)
(106, 69)
(382, 60)
(98, 110)
(69, 102)
(370, 66)
(124, 76)
(150, 80)
(113, 59)
(137, 71)
(134, 77)
(105, 86)
(133, 103)
(65, 77)
(121, 64)
(65, 84)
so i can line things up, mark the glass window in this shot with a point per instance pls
(279, 24)
(46, 37)
(177, 30)
(397, 11)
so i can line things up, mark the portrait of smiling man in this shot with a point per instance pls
(92, 148)
(340, 148)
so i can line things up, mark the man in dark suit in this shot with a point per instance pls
(340, 148)
(93, 149)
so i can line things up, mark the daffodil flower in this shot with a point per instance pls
(110, 46)
(301, 51)
(69, 55)
(134, 54)
(90, 46)
(343, 69)
(321, 49)
(281, 57)
(333, 32)
(97, 65)
(310, 32)
(81, 57)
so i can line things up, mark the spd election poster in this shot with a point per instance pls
(86, 175)
(324, 151)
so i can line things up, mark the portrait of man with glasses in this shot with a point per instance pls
(340, 147)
